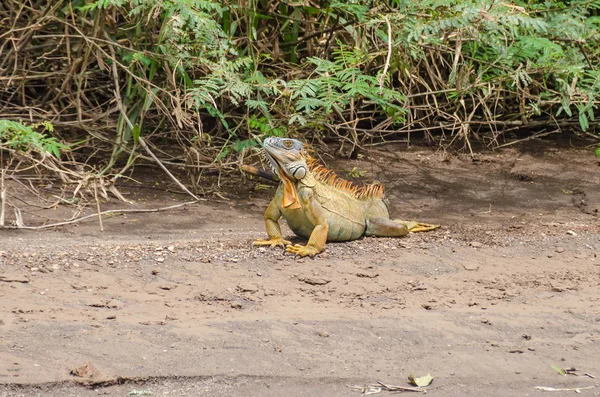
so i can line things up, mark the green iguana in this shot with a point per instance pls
(321, 207)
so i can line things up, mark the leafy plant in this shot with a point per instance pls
(559, 370)
(356, 173)
(25, 138)
(216, 77)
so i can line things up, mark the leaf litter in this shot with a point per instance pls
(379, 387)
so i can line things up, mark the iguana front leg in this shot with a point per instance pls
(318, 237)
(272, 216)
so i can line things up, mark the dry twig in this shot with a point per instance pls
(83, 218)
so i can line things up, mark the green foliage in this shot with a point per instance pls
(356, 173)
(25, 138)
(336, 83)
(264, 127)
(541, 46)
(222, 75)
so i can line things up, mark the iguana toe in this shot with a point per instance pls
(273, 242)
(422, 227)
(414, 227)
(302, 250)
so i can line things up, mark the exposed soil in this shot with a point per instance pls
(177, 302)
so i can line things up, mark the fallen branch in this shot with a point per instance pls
(143, 144)
(2, 196)
(98, 206)
(388, 57)
(529, 138)
(141, 140)
(575, 389)
(380, 387)
(318, 33)
(252, 170)
(401, 388)
(122, 211)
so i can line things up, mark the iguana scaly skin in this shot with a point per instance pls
(321, 207)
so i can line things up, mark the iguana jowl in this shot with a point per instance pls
(321, 207)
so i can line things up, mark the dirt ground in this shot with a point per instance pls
(177, 303)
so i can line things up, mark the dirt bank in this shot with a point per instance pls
(177, 302)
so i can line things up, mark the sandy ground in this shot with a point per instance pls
(177, 302)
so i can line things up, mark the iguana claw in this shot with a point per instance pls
(414, 227)
(423, 227)
(302, 250)
(273, 242)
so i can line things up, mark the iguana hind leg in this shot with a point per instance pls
(383, 227)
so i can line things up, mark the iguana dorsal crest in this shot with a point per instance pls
(328, 177)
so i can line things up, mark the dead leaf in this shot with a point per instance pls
(380, 386)
(87, 370)
(422, 381)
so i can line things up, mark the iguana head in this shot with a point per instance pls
(286, 158)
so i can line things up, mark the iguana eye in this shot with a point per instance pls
(288, 144)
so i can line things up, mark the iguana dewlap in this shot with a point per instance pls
(321, 207)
